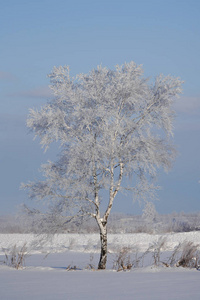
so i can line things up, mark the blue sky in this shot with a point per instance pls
(163, 35)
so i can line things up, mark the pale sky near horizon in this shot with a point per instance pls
(162, 35)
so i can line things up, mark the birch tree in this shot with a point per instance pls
(111, 125)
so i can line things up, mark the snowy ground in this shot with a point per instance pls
(45, 277)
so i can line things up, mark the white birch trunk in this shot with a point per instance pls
(104, 250)
(102, 223)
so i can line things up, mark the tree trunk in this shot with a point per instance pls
(103, 238)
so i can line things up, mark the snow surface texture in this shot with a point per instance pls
(47, 278)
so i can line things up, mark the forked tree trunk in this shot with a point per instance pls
(103, 239)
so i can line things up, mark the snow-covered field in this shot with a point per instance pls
(90, 242)
(46, 277)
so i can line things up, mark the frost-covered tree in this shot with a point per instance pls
(149, 214)
(111, 124)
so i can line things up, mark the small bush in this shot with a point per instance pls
(15, 256)
(156, 248)
(71, 268)
(190, 256)
(91, 266)
(122, 260)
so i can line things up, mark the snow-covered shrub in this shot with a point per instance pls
(185, 255)
(91, 266)
(15, 256)
(122, 259)
(157, 247)
(190, 256)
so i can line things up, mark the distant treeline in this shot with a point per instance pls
(118, 223)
